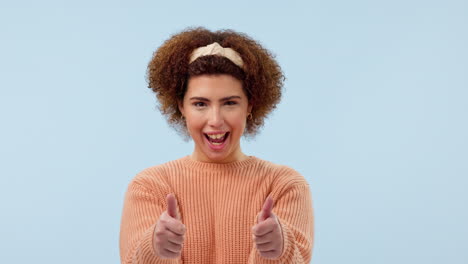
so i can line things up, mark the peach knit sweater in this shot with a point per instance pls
(219, 204)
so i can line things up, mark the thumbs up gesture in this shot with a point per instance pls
(169, 234)
(267, 234)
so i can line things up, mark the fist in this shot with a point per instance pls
(169, 234)
(267, 234)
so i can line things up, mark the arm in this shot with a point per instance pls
(141, 211)
(293, 209)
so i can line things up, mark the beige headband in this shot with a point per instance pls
(216, 49)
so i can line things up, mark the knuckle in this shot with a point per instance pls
(181, 239)
(164, 253)
(160, 232)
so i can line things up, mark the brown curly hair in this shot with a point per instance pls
(169, 71)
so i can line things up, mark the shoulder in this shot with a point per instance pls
(154, 177)
(284, 174)
(286, 181)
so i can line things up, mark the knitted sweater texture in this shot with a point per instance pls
(219, 205)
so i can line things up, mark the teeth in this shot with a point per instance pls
(217, 136)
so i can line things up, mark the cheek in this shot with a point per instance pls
(195, 123)
(238, 123)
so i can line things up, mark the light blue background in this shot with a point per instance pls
(374, 115)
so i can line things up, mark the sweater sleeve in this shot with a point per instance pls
(141, 212)
(295, 214)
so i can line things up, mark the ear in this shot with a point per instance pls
(249, 108)
(180, 104)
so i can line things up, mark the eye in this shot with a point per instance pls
(231, 102)
(199, 104)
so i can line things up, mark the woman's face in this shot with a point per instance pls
(215, 108)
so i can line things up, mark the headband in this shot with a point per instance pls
(216, 49)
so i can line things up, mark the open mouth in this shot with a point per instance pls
(217, 140)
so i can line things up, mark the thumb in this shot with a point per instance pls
(266, 210)
(172, 206)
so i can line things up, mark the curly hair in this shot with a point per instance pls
(169, 71)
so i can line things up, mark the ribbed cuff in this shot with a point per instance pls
(146, 253)
(288, 244)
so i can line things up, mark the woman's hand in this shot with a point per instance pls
(267, 234)
(169, 233)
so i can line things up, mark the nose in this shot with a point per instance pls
(215, 118)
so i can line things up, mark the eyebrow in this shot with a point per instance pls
(221, 100)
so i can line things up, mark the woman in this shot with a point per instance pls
(217, 205)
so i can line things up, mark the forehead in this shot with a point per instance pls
(212, 86)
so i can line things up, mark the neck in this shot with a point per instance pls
(239, 156)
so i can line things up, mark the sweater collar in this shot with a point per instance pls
(195, 164)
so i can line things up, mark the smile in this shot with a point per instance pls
(217, 141)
